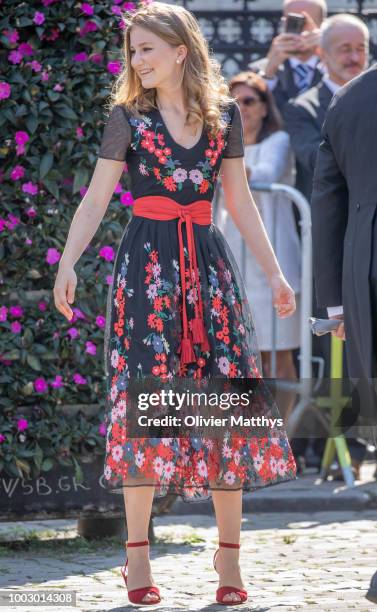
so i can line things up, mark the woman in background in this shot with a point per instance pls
(269, 159)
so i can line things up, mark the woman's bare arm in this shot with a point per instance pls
(244, 212)
(84, 225)
(91, 210)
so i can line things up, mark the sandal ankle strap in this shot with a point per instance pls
(142, 543)
(229, 545)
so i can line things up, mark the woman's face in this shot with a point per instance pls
(253, 110)
(154, 60)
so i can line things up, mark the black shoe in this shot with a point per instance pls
(372, 592)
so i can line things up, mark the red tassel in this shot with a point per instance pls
(197, 329)
(187, 351)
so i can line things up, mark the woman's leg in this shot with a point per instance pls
(228, 511)
(138, 505)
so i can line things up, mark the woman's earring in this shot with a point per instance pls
(178, 61)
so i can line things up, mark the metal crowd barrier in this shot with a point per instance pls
(303, 386)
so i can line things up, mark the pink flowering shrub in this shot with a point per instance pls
(58, 63)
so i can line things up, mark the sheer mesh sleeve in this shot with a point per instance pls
(234, 146)
(116, 135)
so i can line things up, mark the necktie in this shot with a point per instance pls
(303, 76)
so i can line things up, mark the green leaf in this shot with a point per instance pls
(32, 123)
(46, 164)
(47, 465)
(52, 187)
(79, 476)
(80, 180)
(28, 337)
(65, 111)
(34, 362)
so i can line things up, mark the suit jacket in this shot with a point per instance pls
(344, 202)
(304, 118)
(286, 87)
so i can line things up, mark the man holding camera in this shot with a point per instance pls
(292, 64)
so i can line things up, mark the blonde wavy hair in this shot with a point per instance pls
(205, 90)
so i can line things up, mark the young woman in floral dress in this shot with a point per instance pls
(177, 307)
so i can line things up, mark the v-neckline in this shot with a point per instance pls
(173, 140)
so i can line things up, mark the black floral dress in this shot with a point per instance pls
(144, 317)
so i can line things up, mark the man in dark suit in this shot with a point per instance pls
(292, 64)
(344, 41)
(344, 205)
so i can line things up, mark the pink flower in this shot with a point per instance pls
(89, 26)
(42, 306)
(39, 18)
(16, 312)
(15, 57)
(2, 438)
(118, 188)
(12, 221)
(21, 138)
(25, 49)
(107, 252)
(58, 87)
(126, 198)
(114, 67)
(30, 188)
(3, 224)
(52, 256)
(91, 348)
(31, 212)
(72, 333)
(83, 191)
(80, 57)
(87, 9)
(22, 424)
(79, 380)
(45, 76)
(17, 173)
(116, 10)
(109, 279)
(5, 90)
(3, 313)
(28, 241)
(40, 385)
(57, 382)
(96, 58)
(77, 314)
(79, 132)
(48, 2)
(130, 6)
(102, 429)
(36, 66)
(11, 35)
(100, 321)
(16, 327)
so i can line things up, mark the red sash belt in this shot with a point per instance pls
(163, 208)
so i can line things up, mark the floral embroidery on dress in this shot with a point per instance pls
(169, 172)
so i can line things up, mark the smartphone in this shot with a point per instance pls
(294, 23)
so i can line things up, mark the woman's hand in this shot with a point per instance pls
(283, 297)
(64, 290)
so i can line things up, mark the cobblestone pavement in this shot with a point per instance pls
(320, 561)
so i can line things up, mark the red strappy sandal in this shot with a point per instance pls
(136, 596)
(226, 590)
